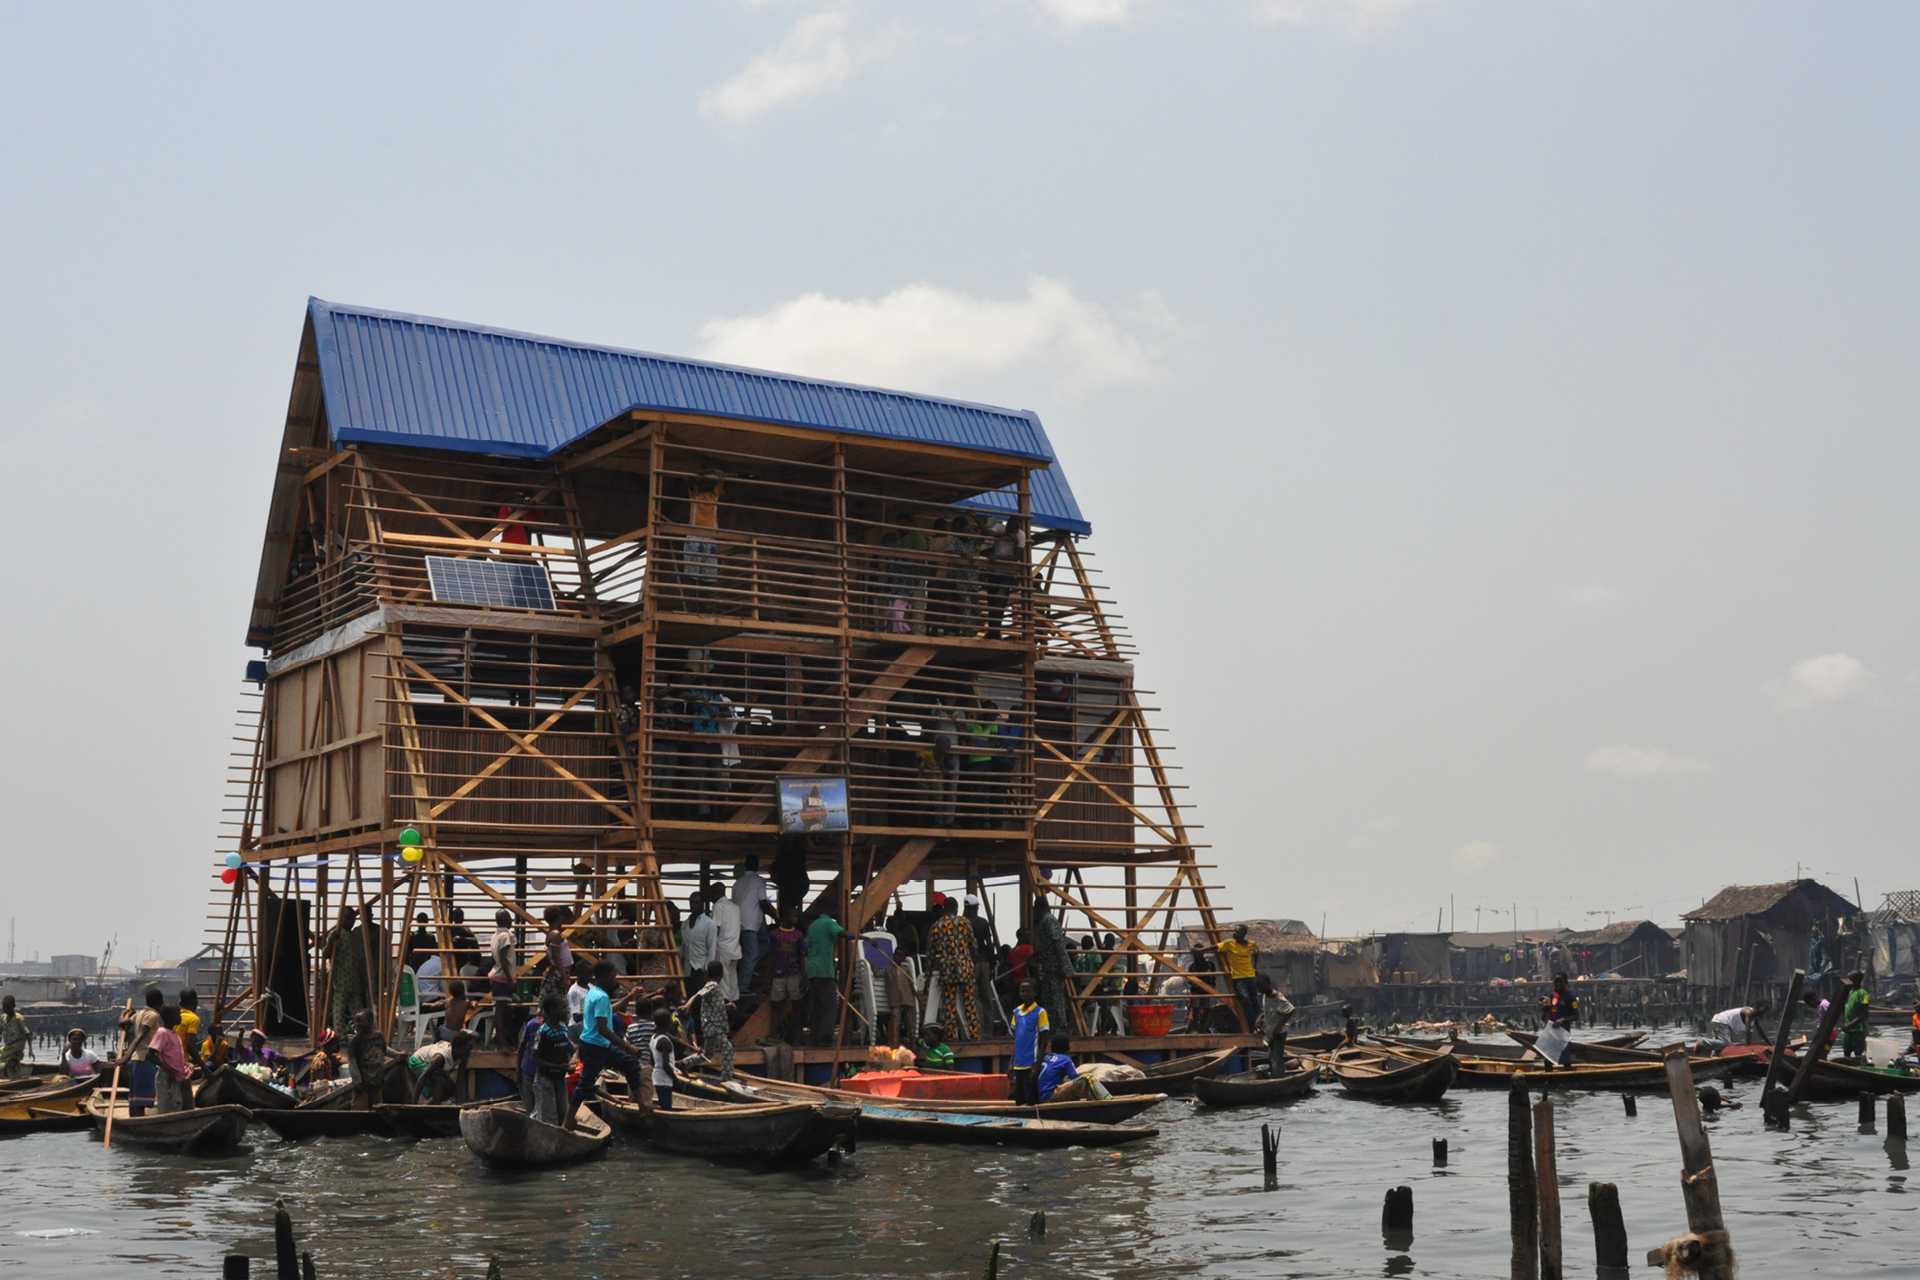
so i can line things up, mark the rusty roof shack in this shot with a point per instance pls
(1747, 940)
(1625, 948)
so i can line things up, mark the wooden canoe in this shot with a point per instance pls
(200, 1131)
(1092, 1110)
(231, 1087)
(1589, 1051)
(1830, 1079)
(1631, 1077)
(760, 1133)
(1316, 1042)
(424, 1119)
(328, 1115)
(1175, 1075)
(505, 1136)
(1380, 1076)
(56, 1107)
(1253, 1088)
(900, 1123)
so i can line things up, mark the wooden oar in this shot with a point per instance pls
(113, 1101)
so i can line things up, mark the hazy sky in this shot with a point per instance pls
(1497, 420)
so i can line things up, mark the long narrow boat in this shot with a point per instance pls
(201, 1131)
(55, 1107)
(762, 1133)
(329, 1115)
(888, 1118)
(1091, 1111)
(1253, 1088)
(424, 1119)
(229, 1086)
(1175, 1075)
(1593, 1050)
(1631, 1077)
(504, 1135)
(1317, 1042)
(1830, 1079)
(900, 1123)
(1393, 1077)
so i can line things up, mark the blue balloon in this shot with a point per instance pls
(233, 859)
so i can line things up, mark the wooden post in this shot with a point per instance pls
(1632, 1107)
(1816, 1051)
(1698, 1184)
(1396, 1218)
(286, 1265)
(1609, 1228)
(1547, 1171)
(1868, 1103)
(1896, 1118)
(1521, 1188)
(236, 1266)
(1776, 1064)
(1270, 1154)
(1439, 1153)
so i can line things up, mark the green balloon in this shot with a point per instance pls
(410, 837)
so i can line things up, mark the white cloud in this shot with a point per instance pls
(1075, 14)
(1476, 855)
(924, 335)
(1644, 762)
(1356, 17)
(819, 53)
(1371, 830)
(1588, 597)
(1823, 681)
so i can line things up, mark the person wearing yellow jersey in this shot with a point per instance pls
(190, 1038)
(1236, 956)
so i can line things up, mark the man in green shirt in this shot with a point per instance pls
(1854, 1018)
(823, 987)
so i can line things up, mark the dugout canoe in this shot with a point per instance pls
(1629, 1077)
(1175, 1075)
(47, 1110)
(200, 1131)
(1316, 1042)
(900, 1123)
(230, 1086)
(1600, 1050)
(505, 1136)
(1833, 1080)
(1253, 1088)
(425, 1119)
(330, 1115)
(784, 1133)
(1090, 1111)
(1380, 1076)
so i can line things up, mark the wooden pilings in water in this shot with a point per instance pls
(1522, 1191)
(1439, 1153)
(1896, 1118)
(1774, 1107)
(1396, 1218)
(1270, 1153)
(1609, 1228)
(1706, 1249)
(1632, 1107)
(1547, 1172)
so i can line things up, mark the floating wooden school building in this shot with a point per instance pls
(581, 617)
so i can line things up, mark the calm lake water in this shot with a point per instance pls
(1822, 1199)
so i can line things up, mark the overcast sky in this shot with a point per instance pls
(1497, 420)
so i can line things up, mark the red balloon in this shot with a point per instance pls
(229, 875)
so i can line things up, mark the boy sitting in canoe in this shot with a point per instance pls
(934, 1050)
(1060, 1079)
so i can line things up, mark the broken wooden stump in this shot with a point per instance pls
(1522, 1205)
(1547, 1172)
(1609, 1227)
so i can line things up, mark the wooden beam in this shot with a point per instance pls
(874, 895)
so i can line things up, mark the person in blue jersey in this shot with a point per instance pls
(1030, 1028)
(1060, 1080)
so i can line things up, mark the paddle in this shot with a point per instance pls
(113, 1094)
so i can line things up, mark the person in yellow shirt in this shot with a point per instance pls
(1236, 956)
(190, 1039)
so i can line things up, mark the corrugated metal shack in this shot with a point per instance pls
(1747, 940)
(1893, 934)
(1629, 948)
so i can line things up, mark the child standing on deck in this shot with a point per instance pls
(711, 1006)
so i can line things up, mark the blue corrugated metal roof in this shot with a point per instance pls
(390, 378)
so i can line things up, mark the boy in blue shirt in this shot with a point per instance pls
(1029, 1025)
(600, 1043)
(1061, 1081)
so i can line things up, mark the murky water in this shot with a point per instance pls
(1822, 1199)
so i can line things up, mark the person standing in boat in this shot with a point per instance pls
(1741, 1026)
(545, 1062)
(709, 1003)
(600, 1045)
(1559, 1013)
(172, 1072)
(191, 1037)
(1275, 1012)
(367, 1052)
(14, 1038)
(140, 1032)
(1855, 1014)
(1030, 1031)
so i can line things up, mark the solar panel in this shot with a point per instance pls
(503, 584)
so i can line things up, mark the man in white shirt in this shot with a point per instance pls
(500, 982)
(750, 895)
(1739, 1026)
(428, 980)
(697, 941)
(726, 938)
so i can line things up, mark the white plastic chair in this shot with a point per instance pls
(407, 1013)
